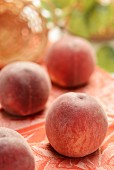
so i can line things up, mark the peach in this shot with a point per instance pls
(70, 61)
(15, 152)
(76, 124)
(24, 88)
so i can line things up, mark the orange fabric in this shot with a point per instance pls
(101, 86)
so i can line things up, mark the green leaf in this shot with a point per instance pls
(87, 5)
(78, 24)
(63, 3)
(99, 18)
(45, 5)
(105, 58)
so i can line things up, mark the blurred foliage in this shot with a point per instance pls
(91, 19)
(105, 58)
(62, 3)
(86, 18)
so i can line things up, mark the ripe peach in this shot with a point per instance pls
(70, 61)
(15, 153)
(76, 124)
(24, 88)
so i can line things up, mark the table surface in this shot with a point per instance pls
(101, 86)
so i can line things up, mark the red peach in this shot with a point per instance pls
(76, 124)
(70, 61)
(24, 88)
(15, 153)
